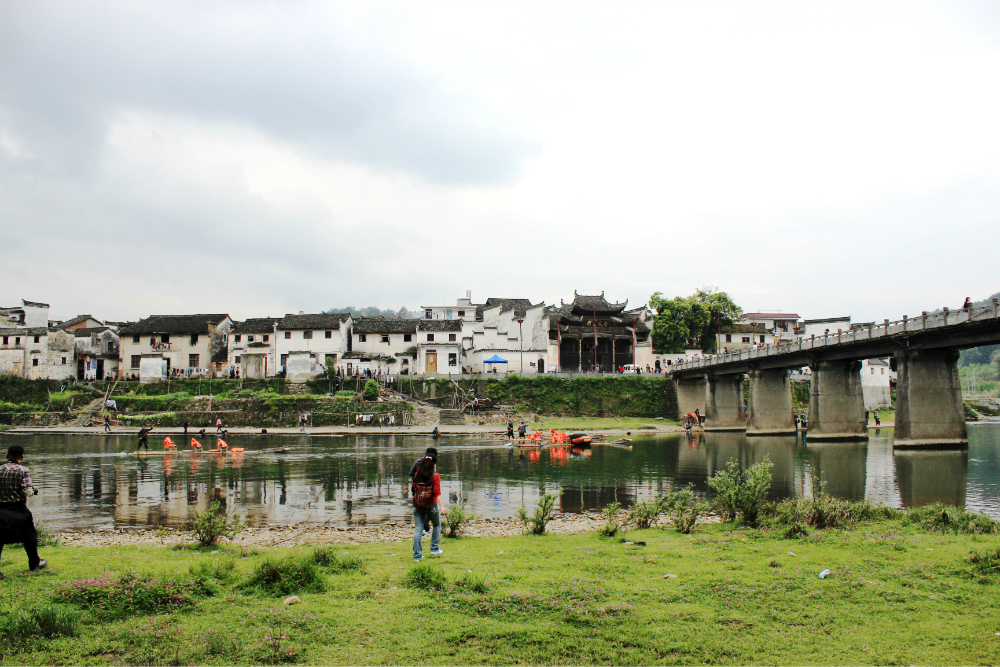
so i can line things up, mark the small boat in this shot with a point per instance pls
(236, 450)
(580, 438)
(620, 441)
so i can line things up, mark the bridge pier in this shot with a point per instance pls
(691, 395)
(770, 405)
(836, 402)
(724, 403)
(929, 409)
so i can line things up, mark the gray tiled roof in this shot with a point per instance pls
(331, 321)
(388, 325)
(77, 320)
(505, 304)
(255, 325)
(84, 332)
(596, 303)
(21, 331)
(440, 325)
(174, 324)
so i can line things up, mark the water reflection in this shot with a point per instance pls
(85, 483)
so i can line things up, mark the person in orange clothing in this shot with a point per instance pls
(426, 492)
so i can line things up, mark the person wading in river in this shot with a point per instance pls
(16, 523)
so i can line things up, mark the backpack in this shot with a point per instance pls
(423, 495)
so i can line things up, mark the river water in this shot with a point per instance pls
(85, 483)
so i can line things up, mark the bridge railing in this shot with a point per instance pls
(924, 322)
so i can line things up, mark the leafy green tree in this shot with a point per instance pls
(371, 391)
(685, 322)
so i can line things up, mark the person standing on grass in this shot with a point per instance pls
(878, 420)
(426, 491)
(17, 525)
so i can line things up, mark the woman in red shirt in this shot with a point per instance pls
(426, 491)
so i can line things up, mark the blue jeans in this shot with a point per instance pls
(422, 518)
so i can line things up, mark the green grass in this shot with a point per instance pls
(897, 596)
(597, 423)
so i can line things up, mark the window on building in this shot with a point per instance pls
(152, 340)
(135, 339)
(237, 338)
(873, 371)
(883, 371)
(328, 334)
(64, 361)
(34, 362)
(729, 338)
(194, 361)
(307, 335)
(461, 313)
(429, 314)
(452, 337)
(284, 359)
(38, 339)
(194, 339)
(407, 338)
(746, 339)
(385, 338)
(5, 340)
(430, 338)
(266, 338)
(17, 340)
(362, 338)
(288, 335)
(111, 347)
(135, 360)
(453, 359)
(249, 339)
(447, 314)
(239, 359)
(762, 339)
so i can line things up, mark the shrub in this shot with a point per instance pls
(46, 538)
(536, 523)
(742, 494)
(794, 531)
(951, 519)
(48, 621)
(824, 511)
(213, 523)
(682, 509)
(425, 577)
(456, 517)
(473, 583)
(289, 575)
(131, 594)
(371, 391)
(325, 558)
(611, 524)
(644, 514)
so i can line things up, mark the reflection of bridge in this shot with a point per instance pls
(929, 408)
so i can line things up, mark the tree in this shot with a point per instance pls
(685, 322)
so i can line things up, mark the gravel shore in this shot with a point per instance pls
(276, 536)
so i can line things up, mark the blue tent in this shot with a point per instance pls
(495, 360)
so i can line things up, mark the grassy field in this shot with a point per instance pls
(896, 596)
(597, 423)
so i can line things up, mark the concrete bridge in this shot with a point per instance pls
(929, 409)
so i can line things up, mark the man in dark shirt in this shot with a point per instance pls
(16, 523)
(144, 438)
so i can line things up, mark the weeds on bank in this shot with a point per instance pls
(111, 597)
(612, 524)
(948, 519)
(742, 494)
(52, 620)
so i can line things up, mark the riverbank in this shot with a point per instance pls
(895, 595)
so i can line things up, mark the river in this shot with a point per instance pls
(85, 483)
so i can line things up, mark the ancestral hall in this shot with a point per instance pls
(593, 334)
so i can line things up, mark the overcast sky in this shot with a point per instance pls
(262, 158)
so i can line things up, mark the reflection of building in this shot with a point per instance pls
(593, 334)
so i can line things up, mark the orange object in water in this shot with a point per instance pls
(168, 443)
(237, 449)
(223, 444)
(213, 451)
(195, 444)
